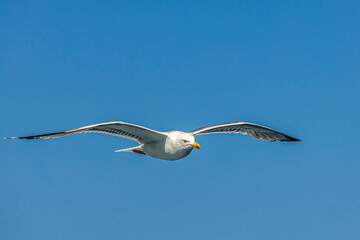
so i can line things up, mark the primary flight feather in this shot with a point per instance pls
(170, 145)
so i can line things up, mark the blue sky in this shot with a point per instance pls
(170, 65)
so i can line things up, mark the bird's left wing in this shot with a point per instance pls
(120, 129)
(251, 129)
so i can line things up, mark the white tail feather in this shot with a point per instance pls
(137, 148)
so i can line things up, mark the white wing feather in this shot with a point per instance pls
(120, 129)
(251, 129)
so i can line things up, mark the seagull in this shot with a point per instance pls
(170, 145)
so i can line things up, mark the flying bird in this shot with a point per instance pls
(170, 145)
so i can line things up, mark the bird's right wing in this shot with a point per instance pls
(119, 129)
(251, 129)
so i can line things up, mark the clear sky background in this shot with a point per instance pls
(180, 65)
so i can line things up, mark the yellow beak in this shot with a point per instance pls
(196, 145)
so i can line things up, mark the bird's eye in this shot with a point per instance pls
(185, 141)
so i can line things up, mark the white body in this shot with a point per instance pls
(170, 148)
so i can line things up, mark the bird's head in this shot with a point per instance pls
(187, 140)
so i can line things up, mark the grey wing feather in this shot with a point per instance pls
(120, 129)
(251, 129)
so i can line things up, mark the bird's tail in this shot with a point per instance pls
(137, 149)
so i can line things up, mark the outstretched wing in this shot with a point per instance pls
(119, 129)
(251, 129)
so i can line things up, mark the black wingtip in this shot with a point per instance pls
(291, 139)
(20, 137)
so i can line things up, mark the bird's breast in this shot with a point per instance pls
(165, 150)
